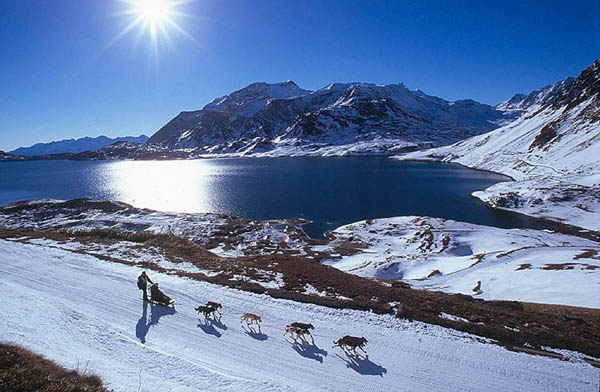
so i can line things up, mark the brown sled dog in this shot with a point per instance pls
(352, 343)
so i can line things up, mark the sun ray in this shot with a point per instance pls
(122, 33)
(182, 31)
(165, 33)
(154, 18)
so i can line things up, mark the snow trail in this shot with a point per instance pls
(87, 313)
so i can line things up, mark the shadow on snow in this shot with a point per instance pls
(258, 335)
(310, 351)
(208, 326)
(156, 312)
(363, 365)
(217, 323)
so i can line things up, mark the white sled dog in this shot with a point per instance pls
(251, 318)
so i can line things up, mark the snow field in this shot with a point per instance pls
(516, 264)
(87, 313)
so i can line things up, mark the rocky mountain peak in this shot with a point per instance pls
(250, 99)
(270, 115)
(537, 99)
(584, 87)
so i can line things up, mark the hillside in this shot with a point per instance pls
(92, 311)
(24, 371)
(277, 259)
(551, 151)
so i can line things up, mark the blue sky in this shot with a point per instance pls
(61, 79)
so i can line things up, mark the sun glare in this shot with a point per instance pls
(156, 18)
(153, 11)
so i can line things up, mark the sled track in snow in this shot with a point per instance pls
(87, 313)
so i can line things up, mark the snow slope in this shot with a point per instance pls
(87, 313)
(552, 151)
(450, 256)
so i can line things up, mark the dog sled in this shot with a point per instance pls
(159, 298)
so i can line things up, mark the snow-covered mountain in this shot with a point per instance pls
(552, 150)
(75, 145)
(536, 99)
(283, 119)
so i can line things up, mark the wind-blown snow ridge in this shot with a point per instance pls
(552, 151)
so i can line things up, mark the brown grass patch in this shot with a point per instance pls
(509, 252)
(24, 371)
(587, 254)
(537, 326)
(523, 266)
(445, 243)
(559, 267)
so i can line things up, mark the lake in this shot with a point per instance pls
(328, 191)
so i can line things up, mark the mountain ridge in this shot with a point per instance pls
(285, 119)
(74, 145)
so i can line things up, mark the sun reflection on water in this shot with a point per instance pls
(178, 186)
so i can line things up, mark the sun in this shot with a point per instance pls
(153, 11)
(156, 18)
(152, 15)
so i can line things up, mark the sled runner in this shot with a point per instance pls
(170, 303)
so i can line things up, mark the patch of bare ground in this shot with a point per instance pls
(510, 323)
(478, 258)
(587, 254)
(523, 267)
(569, 266)
(24, 371)
(445, 242)
(348, 247)
(507, 253)
(426, 238)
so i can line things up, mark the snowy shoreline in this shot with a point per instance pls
(551, 151)
(557, 225)
(385, 248)
(563, 215)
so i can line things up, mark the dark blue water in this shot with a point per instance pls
(328, 191)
